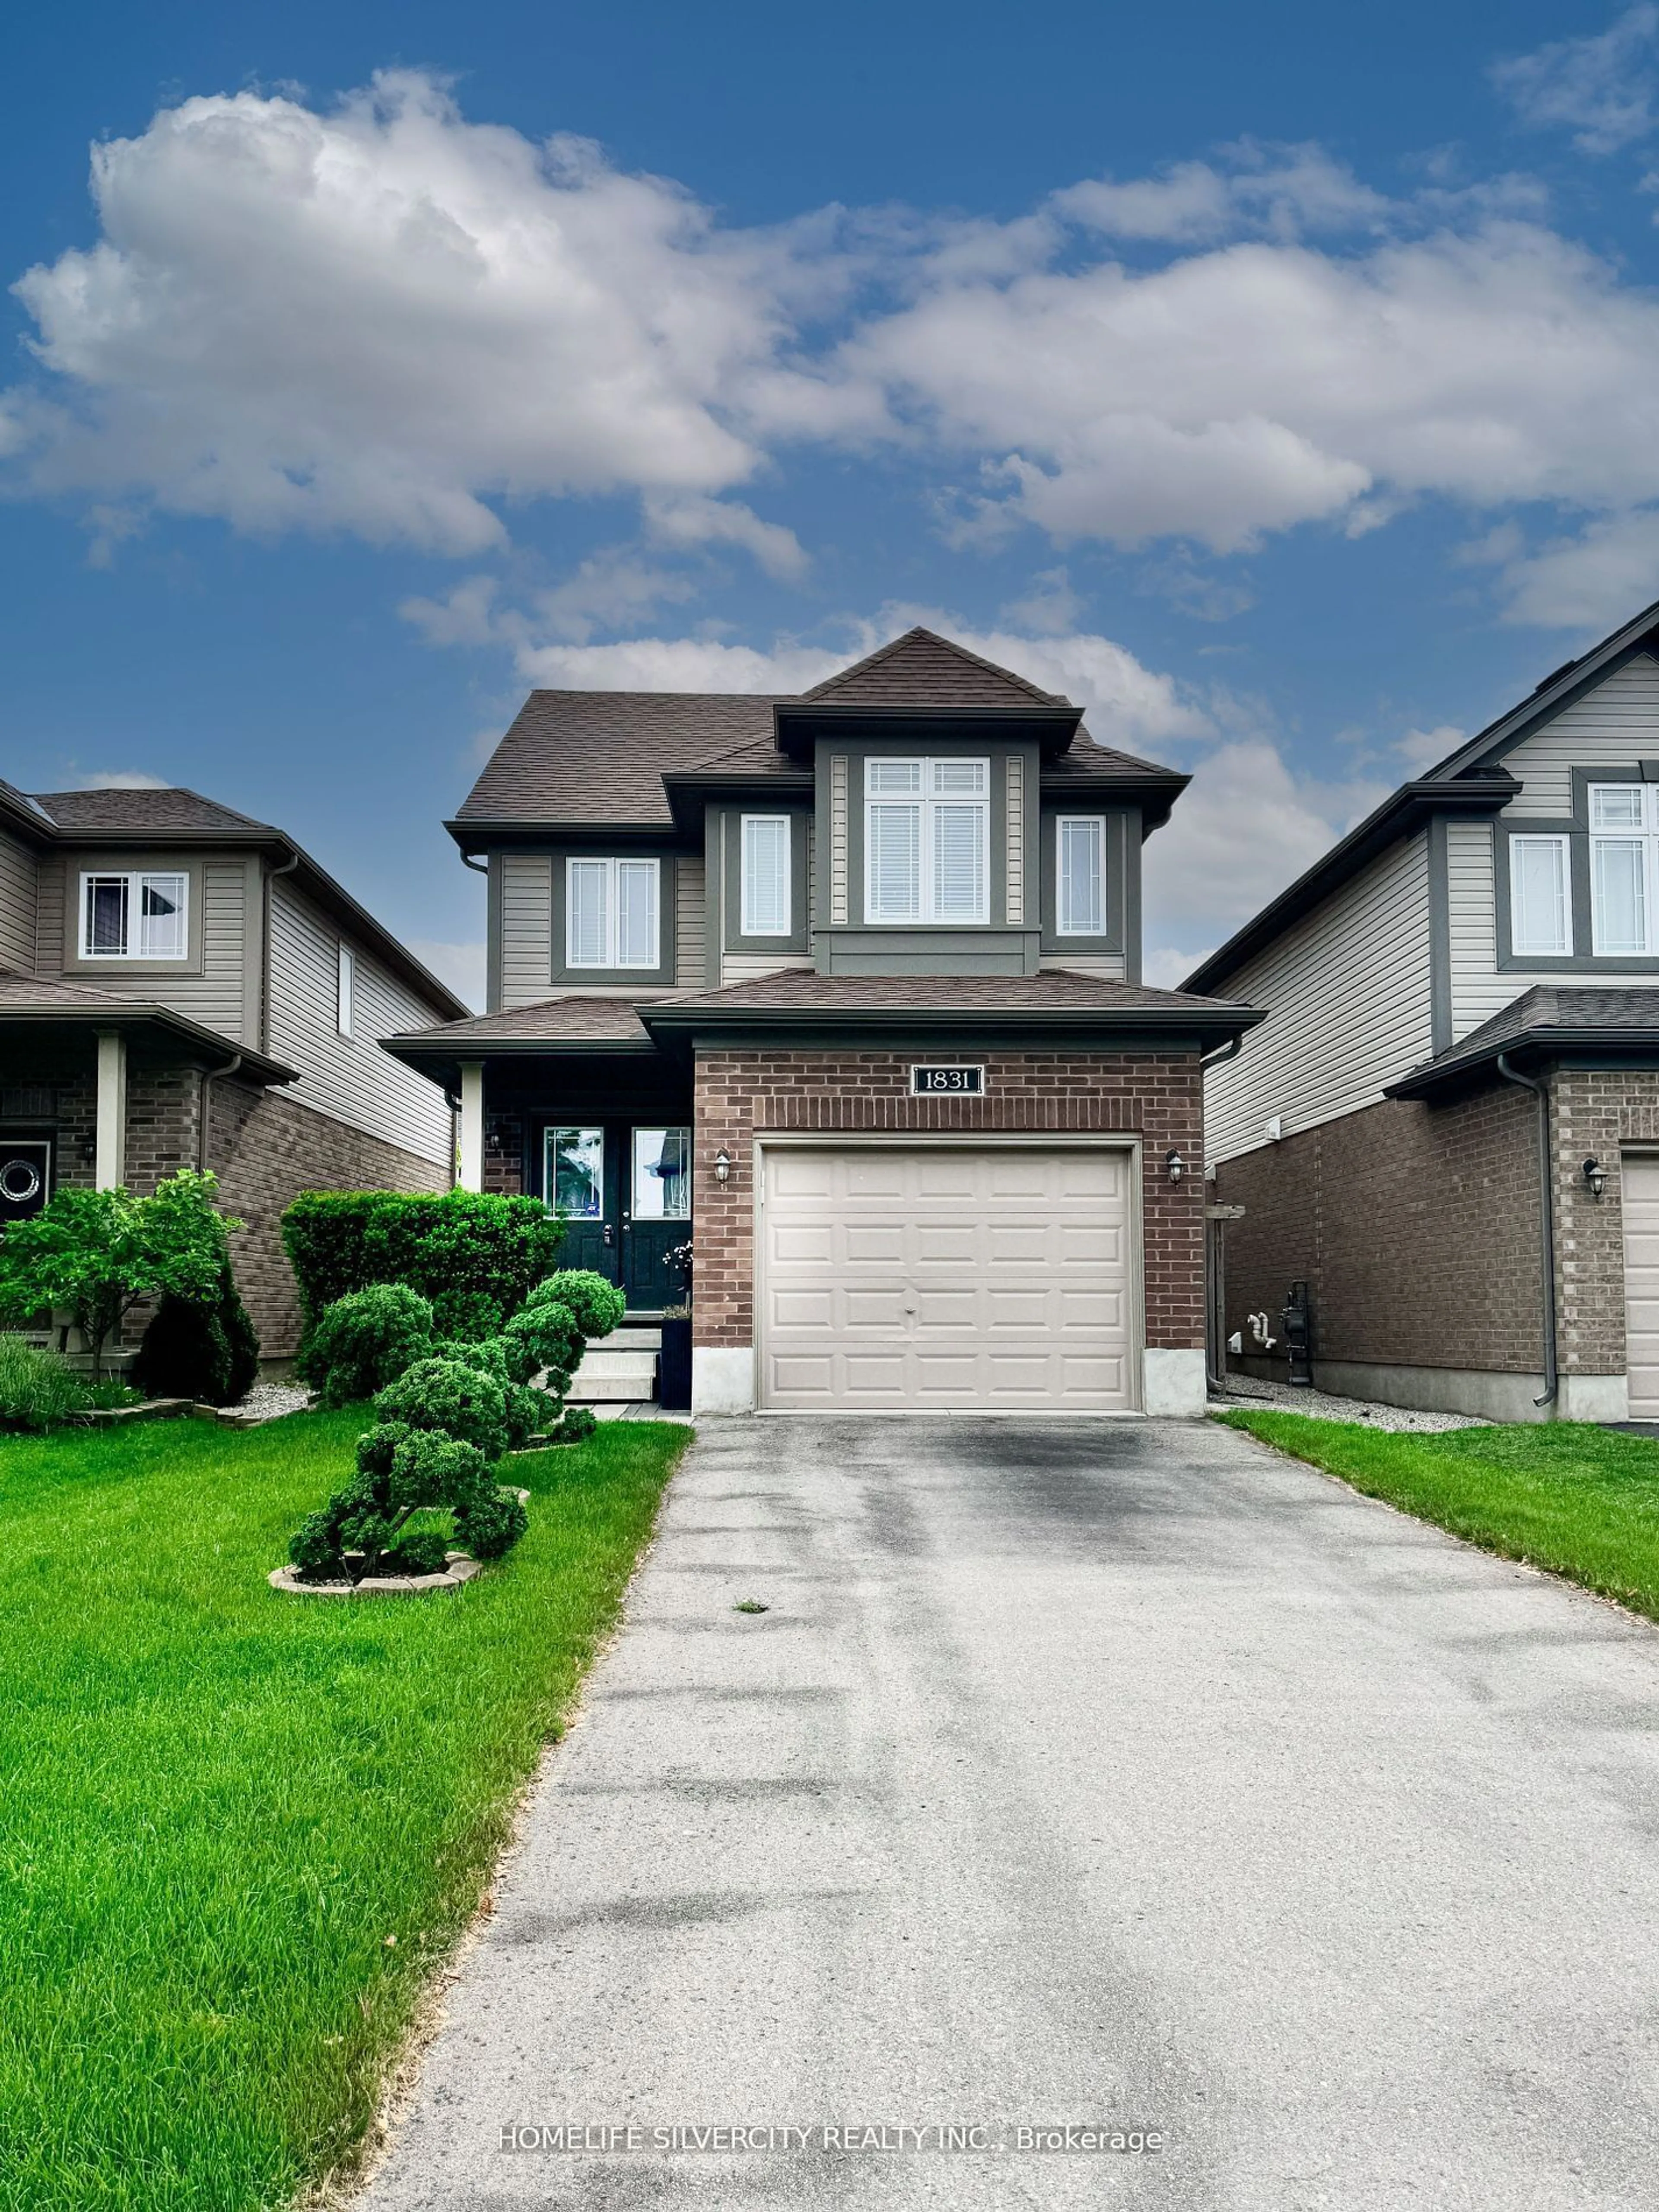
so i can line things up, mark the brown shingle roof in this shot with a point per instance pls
(921, 669)
(39, 991)
(153, 811)
(568, 1019)
(600, 756)
(1055, 990)
(1550, 1015)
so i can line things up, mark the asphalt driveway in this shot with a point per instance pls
(1108, 1774)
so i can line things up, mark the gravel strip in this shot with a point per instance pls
(268, 1401)
(1320, 1406)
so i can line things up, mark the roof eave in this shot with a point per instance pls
(143, 1014)
(478, 834)
(799, 723)
(1125, 1024)
(1403, 811)
(1535, 1044)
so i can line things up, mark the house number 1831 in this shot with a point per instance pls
(961, 1082)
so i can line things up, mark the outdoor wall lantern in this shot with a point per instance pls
(1595, 1175)
(1176, 1165)
(493, 1140)
(722, 1165)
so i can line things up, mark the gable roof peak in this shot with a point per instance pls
(921, 668)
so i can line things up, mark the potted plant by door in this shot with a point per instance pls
(674, 1361)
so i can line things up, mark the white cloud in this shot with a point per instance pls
(694, 520)
(380, 318)
(1243, 828)
(1591, 581)
(679, 664)
(121, 778)
(1420, 750)
(1281, 190)
(1601, 89)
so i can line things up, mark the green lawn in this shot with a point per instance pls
(237, 1829)
(1579, 1500)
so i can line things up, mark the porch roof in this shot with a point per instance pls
(574, 1024)
(1552, 1021)
(40, 1005)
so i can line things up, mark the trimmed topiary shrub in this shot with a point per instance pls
(489, 1354)
(418, 1551)
(442, 1393)
(493, 1525)
(597, 1305)
(578, 1424)
(365, 1340)
(473, 1254)
(430, 1468)
(545, 1335)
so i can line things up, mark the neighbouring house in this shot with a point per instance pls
(1448, 1126)
(182, 987)
(844, 988)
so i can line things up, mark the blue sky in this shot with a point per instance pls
(1280, 384)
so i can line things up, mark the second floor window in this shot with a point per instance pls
(927, 839)
(611, 914)
(765, 904)
(135, 915)
(1623, 824)
(1081, 876)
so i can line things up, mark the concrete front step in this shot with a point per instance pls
(608, 1376)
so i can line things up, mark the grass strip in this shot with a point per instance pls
(238, 1830)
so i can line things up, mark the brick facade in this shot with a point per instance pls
(1415, 1226)
(1593, 1113)
(742, 1093)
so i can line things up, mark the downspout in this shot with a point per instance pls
(478, 867)
(204, 1095)
(1214, 1381)
(1546, 1222)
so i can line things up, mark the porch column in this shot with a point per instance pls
(472, 1125)
(110, 1153)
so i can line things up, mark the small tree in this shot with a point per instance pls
(96, 1253)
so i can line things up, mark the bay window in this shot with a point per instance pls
(1080, 875)
(611, 917)
(927, 839)
(765, 875)
(135, 914)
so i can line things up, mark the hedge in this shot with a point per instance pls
(475, 1255)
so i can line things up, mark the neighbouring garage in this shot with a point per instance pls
(1639, 1175)
(925, 1276)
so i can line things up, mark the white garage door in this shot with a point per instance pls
(946, 1276)
(1639, 1177)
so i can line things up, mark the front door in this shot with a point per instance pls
(625, 1194)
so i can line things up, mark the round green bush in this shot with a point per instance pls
(443, 1393)
(378, 1447)
(578, 1424)
(494, 1525)
(545, 1335)
(598, 1306)
(490, 1355)
(314, 1547)
(365, 1340)
(430, 1468)
(418, 1551)
(201, 1348)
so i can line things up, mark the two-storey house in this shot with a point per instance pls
(1448, 1126)
(183, 986)
(842, 990)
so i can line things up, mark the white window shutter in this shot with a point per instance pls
(958, 861)
(1540, 905)
(765, 891)
(586, 930)
(895, 861)
(637, 913)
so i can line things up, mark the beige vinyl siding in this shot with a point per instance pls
(690, 923)
(1614, 725)
(1109, 966)
(744, 967)
(19, 894)
(1347, 990)
(526, 912)
(218, 995)
(350, 1078)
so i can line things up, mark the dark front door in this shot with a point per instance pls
(25, 1177)
(625, 1194)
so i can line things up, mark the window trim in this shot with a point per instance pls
(745, 925)
(1562, 846)
(135, 879)
(609, 964)
(1097, 824)
(925, 800)
(1644, 834)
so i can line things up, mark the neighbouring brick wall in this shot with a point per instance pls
(1592, 1114)
(503, 1166)
(1415, 1226)
(265, 1149)
(1158, 1096)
